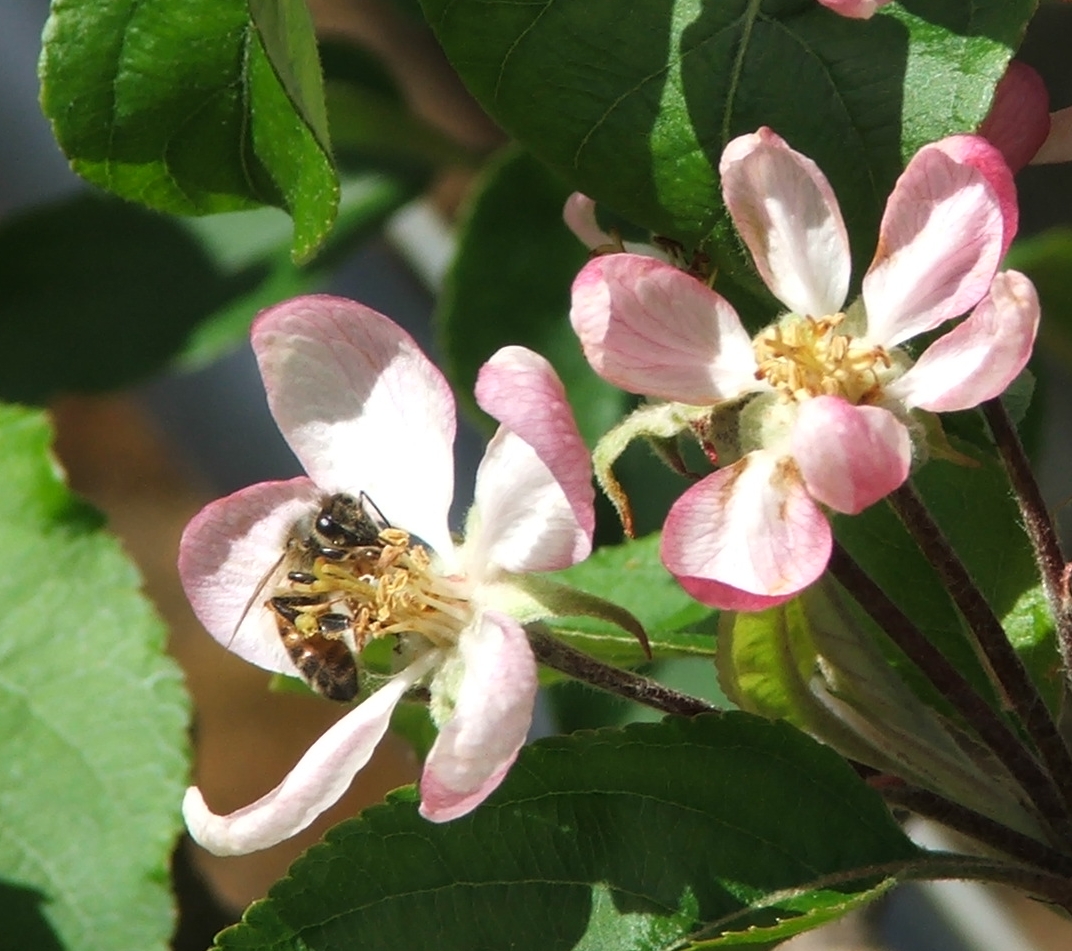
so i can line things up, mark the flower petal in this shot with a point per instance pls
(521, 390)
(857, 9)
(850, 456)
(492, 716)
(579, 214)
(321, 776)
(981, 356)
(786, 212)
(1019, 118)
(362, 407)
(946, 224)
(649, 328)
(751, 527)
(1058, 144)
(227, 553)
(521, 518)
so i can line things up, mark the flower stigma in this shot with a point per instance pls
(804, 357)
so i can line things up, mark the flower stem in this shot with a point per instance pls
(624, 683)
(983, 829)
(991, 728)
(1001, 659)
(1037, 523)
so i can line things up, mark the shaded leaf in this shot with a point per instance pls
(615, 840)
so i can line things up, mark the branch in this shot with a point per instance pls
(1000, 657)
(623, 683)
(991, 728)
(1037, 523)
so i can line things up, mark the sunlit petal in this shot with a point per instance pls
(648, 327)
(751, 527)
(850, 456)
(362, 407)
(786, 212)
(316, 782)
(981, 356)
(941, 238)
(492, 716)
(227, 553)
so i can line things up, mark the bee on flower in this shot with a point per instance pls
(370, 418)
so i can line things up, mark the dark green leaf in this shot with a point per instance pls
(92, 721)
(634, 105)
(213, 107)
(1047, 259)
(615, 840)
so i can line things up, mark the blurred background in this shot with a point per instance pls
(153, 454)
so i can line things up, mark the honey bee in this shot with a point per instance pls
(314, 619)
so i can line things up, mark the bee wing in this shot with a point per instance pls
(269, 580)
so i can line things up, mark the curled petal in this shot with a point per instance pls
(1058, 144)
(227, 553)
(521, 390)
(1019, 118)
(321, 776)
(981, 356)
(751, 528)
(946, 224)
(521, 519)
(362, 407)
(857, 9)
(786, 212)
(492, 716)
(579, 214)
(649, 328)
(850, 456)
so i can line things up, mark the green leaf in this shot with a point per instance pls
(635, 110)
(509, 284)
(217, 109)
(614, 840)
(632, 576)
(93, 721)
(975, 510)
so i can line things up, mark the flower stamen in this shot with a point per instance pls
(804, 357)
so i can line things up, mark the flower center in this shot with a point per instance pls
(387, 588)
(802, 357)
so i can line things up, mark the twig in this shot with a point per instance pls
(991, 728)
(1003, 661)
(561, 657)
(1037, 523)
(979, 827)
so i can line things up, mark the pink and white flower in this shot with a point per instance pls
(365, 411)
(823, 408)
(856, 9)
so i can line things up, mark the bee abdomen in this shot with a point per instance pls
(327, 665)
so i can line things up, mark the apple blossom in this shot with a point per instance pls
(856, 9)
(825, 408)
(365, 411)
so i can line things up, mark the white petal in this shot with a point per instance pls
(316, 783)
(226, 556)
(521, 390)
(979, 357)
(786, 212)
(362, 407)
(940, 240)
(521, 519)
(492, 716)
